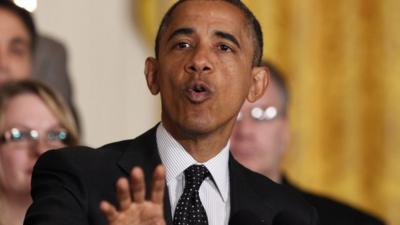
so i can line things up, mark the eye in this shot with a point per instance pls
(19, 135)
(183, 45)
(57, 135)
(224, 48)
(19, 50)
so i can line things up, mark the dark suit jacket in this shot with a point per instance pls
(333, 212)
(69, 184)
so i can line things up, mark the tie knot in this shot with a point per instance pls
(195, 175)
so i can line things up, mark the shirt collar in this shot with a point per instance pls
(172, 152)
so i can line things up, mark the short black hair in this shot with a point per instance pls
(251, 19)
(277, 76)
(24, 16)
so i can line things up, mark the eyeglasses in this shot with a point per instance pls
(25, 138)
(260, 114)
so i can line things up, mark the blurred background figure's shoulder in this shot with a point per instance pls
(50, 65)
(334, 212)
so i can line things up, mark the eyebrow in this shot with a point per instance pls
(221, 34)
(227, 36)
(181, 31)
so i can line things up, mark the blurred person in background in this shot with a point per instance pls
(17, 42)
(25, 54)
(50, 66)
(260, 140)
(32, 120)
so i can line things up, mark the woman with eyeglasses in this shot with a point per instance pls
(33, 120)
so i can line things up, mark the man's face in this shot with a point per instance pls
(15, 48)
(260, 144)
(204, 70)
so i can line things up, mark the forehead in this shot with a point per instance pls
(28, 110)
(11, 25)
(209, 14)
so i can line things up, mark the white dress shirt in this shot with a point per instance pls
(214, 195)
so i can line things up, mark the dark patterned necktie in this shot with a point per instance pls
(189, 210)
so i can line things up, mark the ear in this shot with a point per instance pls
(151, 73)
(259, 83)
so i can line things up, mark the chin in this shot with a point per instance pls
(244, 160)
(249, 165)
(196, 130)
(198, 126)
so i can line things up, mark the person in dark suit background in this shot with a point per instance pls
(261, 138)
(206, 64)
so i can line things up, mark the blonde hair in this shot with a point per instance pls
(53, 101)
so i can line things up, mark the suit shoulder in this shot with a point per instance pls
(332, 212)
(265, 186)
(83, 155)
(328, 208)
(278, 198)
(279, 194)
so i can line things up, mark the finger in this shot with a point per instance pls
(156, 221)
(123, 194)
(138, 185)
(109, 211)
(157, 192)
(160, 222)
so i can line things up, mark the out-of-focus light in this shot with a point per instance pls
(257, 113)
(270, 113)
(29, 5)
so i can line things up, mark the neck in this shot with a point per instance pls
(203, 149)
(14, 208)
(202, 146)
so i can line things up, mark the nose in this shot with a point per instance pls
(199, 62)
(39, 147)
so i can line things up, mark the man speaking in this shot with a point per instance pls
(206, 64)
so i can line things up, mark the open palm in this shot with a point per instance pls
(134, 209)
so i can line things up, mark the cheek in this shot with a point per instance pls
(14, 174)
(235, 87)
(169, 91)
(22, 67)
(268, 139)
(169, 78)
(13, 162)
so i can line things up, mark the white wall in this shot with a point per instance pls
(106, 62)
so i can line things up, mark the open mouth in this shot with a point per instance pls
(198, 92)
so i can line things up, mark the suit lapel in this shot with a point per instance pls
(244, 198)
(143, 152)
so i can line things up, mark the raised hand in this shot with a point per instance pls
(133, 208)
